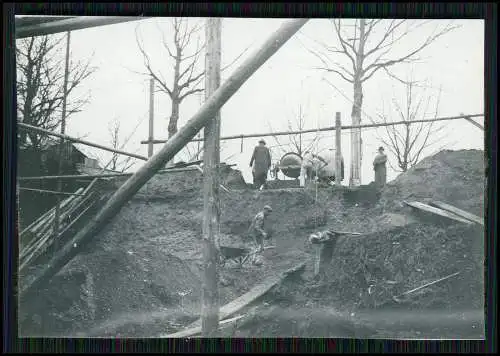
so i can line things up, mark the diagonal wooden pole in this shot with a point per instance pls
(157, 162)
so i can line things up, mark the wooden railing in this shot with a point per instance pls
(37, 238)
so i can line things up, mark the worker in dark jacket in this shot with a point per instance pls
(380, 168)
(261, 162)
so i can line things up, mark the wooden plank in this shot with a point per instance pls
(437, 211)
(239, 303)
(458, 212)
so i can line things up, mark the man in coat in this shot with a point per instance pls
(262, 159)
(380, 168)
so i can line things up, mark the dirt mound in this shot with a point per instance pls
(455, 177)
(111, 285)
(367, 271)
(141, 274)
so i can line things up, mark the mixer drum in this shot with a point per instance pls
(290, 164)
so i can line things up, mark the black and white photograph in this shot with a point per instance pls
(182, 177)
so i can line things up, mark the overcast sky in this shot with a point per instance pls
(272, 96)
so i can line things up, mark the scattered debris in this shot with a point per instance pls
(398, 297)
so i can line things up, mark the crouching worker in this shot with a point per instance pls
(324, 243)
(258, 233)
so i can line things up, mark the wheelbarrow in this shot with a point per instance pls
(237, 254)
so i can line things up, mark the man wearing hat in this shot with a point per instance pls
(257, 231)
(379, 168)
(262, 159)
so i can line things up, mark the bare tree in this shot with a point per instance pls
(369, 47)
(184, 50)
(40, 85)
(295, 142)
(408, 141)
(117, 164)
(186, 79)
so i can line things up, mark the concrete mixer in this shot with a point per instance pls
(291, 162)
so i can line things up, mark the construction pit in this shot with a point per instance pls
(141, 275)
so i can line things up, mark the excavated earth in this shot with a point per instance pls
(141, 275)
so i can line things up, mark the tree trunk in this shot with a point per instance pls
(175, 98)
(356, 146)
(174, 118)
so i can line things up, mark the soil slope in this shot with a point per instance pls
(141, 274)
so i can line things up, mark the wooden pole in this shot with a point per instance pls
(77, 140)
(106, 175)
(174, 145)
(151, 116)
(324, 129)
(338, 150)
(49, 191)
(63, 129)
(71, 24)
(211, 202)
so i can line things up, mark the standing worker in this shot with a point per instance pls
(379, 168)
(257, 231)
(262, 158)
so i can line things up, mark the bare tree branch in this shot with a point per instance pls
(40, 79)
(408, 142)
(374, 40)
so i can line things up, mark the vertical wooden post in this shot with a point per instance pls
(62, 141)
(211, 160)
(151, 116)
(338, 150)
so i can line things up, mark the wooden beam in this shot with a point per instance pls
(77, 140)
(458, 212)
(157, 162)
(437, 211)
(325, 129)
(106, 175)
(151, 115)
(72, 24)
(48, 191)
(239, 303)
